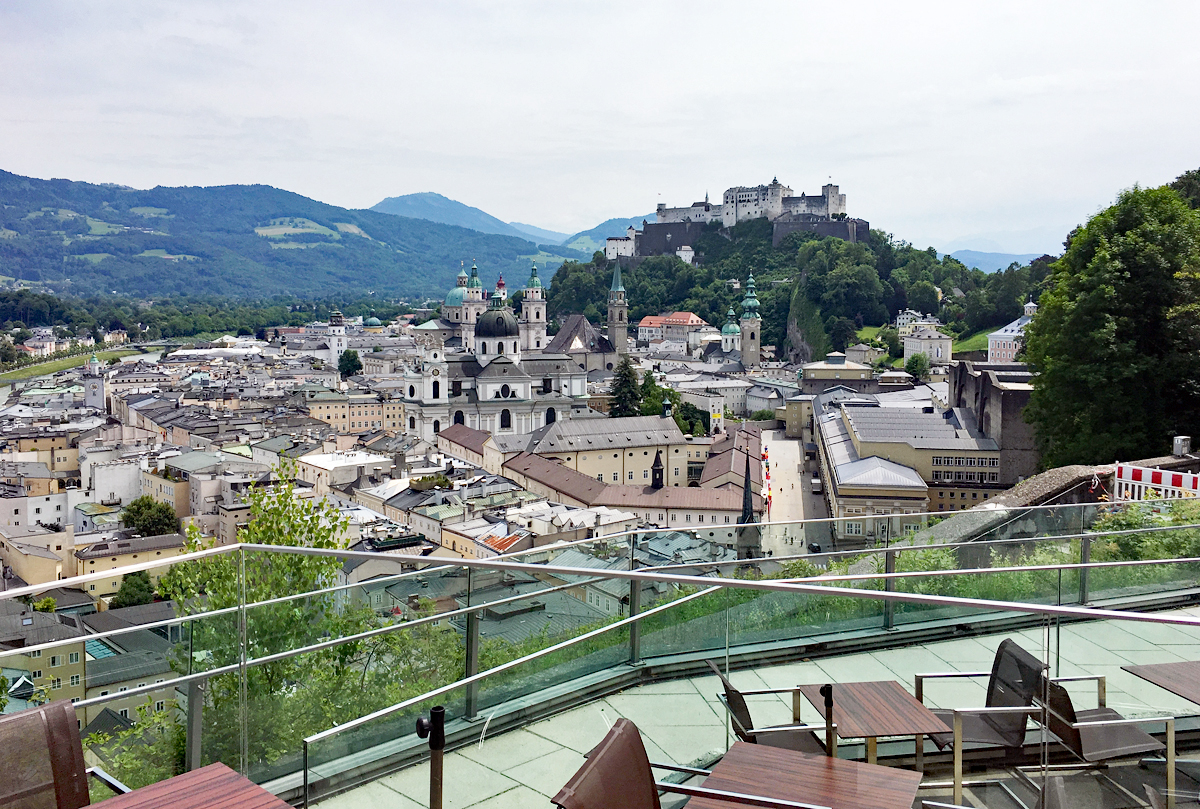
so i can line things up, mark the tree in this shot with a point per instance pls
(136, 590)
(1188, 187)
(349, 364)
(47, 604)
(918, 366)
(626, 393)
(762, 415)
(841, 331)
(1113, 341)
(304, 693)
(922, 297)
(149, 517)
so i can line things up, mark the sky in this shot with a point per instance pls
(990, 126)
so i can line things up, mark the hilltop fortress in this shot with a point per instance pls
(675, 230)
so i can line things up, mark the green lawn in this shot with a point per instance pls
(286, 226)
(868, 333)
(973, 342)
(61, 365)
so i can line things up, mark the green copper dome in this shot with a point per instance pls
(474, 282)
(372, 321)
(730, 327)
(455, 297)
(533, 281)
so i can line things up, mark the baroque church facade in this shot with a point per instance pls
(482, 366)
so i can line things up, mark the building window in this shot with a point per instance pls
(616, 477)
(437, 390)
(600, 477)
(854, 529)
(645, 474)
(73, 657)
(56, 683)
(55, 660)
(631, 475)
(74, 680)
(726, 518)
(38, 653)
(677, 470)
(505, 419)
(36, 674)
(122, 689)
(123, 713)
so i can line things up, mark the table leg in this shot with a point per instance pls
(871, 749)
(919, 755)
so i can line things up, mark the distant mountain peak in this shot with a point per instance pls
(434, 207)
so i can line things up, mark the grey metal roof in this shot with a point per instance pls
(881, 473)
(600, 434)
(918, 429)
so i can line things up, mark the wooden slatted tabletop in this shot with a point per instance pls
(1181, 679)
(864, 710)
(774, 772)
(212, 787)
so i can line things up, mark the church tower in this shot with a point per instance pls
(618, 313)
(93, 386)
(337, 337)
(474, 305)
(533, 314)
(731, 335)
(751, 327)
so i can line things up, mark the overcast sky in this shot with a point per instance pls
(943, 123)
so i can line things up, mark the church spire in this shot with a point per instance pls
(747, 498)
(617, 286)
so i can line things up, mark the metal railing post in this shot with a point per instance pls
(635, 607)
(195, 723)
(471, 706)
(889, 608)
(243, 673)
(1085, 557)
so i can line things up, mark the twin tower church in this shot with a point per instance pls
(481, 365)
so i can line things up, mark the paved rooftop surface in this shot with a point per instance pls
(682, 721)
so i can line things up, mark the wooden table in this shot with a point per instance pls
(873, 709)
(774, 772)
(1181, 679)
(212, 787)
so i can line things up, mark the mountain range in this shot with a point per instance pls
(992, 262)
(249, 241)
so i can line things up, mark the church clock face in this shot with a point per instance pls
(436, 372)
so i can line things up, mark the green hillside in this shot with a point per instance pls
(589, 241)
(242, 241)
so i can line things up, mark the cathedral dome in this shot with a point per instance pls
(373, 321)
(455, 296)
(498, 321)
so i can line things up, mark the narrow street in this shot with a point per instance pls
(793, 498)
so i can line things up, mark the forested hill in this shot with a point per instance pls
(813, 291)
(245, 241)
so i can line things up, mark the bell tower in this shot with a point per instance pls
(618, 313)
(533, 314)
(751, 327)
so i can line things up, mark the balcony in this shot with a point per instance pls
(307, 698)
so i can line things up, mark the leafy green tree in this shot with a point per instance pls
(304, 693)
(1188, 186)
(841, 331)
(47, 604)
(135, 590)
(891, 338)
(149, 517)
(762, 415)
(918, 366)
(349, 364)
(923, 297)
(1113, 339)
(626, 392)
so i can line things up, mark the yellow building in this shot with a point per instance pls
(164, 486)
(60, 670)
(118, 551)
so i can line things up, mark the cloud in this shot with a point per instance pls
(940, 121)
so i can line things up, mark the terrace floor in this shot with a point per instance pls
(683, 722)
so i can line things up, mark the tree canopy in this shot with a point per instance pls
(349, 364)
(626, 392)
(136, 590)
(1114, 339)
(149, 517)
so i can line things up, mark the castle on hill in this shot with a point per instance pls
(675, 231)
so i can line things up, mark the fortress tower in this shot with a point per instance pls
(533, 314)
(751, 327)
(618, 314)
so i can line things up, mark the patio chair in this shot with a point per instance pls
(797, 736)
(1012, 686)
(43, 759)
(1101, 734)
(1053, 796)
(617, 775)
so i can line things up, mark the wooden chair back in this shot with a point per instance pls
(617, 775)
(738, 708)
(42, 758)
